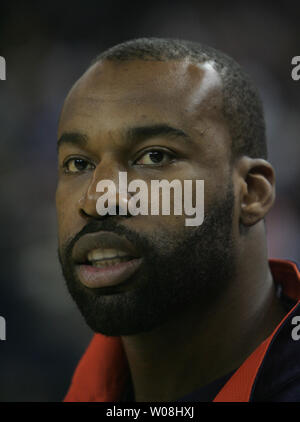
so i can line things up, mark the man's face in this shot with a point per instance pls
(168, 267)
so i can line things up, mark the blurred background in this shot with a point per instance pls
(47, 46)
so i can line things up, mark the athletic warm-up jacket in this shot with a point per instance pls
(271, 373)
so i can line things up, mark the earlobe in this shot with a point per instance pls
(257, 192)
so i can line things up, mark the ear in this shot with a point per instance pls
(257, 189)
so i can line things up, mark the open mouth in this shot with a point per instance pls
(105, 259)
(102, 258)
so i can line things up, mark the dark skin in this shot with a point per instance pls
(203, 344)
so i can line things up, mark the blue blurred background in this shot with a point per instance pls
(47, 46)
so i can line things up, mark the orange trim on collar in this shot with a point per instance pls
(285, 272)
(101, 373)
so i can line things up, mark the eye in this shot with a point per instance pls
(77, 165)
(155, 157)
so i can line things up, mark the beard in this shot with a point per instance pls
(192, 266)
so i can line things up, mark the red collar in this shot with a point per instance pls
(103, 370)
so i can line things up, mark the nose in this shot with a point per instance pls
(106, 193)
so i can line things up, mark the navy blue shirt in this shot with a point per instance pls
(204, 394)
(278, 378)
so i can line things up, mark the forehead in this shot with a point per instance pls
(113, 94)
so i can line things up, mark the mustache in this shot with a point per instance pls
(96, 226)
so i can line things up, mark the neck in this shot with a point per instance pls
(202, 345)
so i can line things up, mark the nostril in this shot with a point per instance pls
(83, 213)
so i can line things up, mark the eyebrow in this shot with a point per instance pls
(72, 138)
(133, 135)
(140, 133)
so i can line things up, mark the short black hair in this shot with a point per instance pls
(242, 106)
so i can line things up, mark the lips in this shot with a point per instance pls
(104, 259)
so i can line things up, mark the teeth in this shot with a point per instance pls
(108, 263)
(104, 254)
